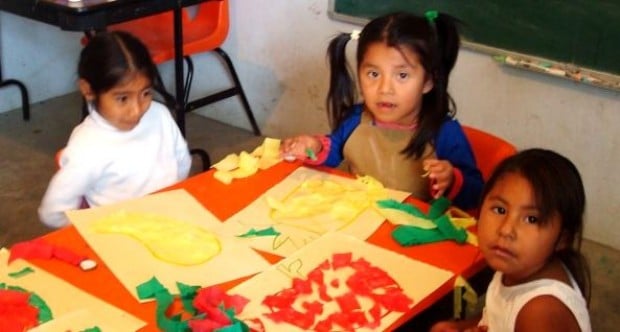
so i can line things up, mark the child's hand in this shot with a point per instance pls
(298, 146)
(441, 175)
(446, 326)
(453, 326)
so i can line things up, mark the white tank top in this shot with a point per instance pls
(503, 303)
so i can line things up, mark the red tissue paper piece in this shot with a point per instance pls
(214, 297)
(43, 250)
(366, 282)
(16, 313)
(210, 301)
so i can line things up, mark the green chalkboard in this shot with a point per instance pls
(584, 33)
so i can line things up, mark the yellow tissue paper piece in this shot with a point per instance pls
(341, 201)
(463, 291)
(398, 217)
(170, 240)
(223, 176)
(245, 164)
(229, 163)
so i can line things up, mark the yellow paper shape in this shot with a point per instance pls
(224, 177)
(341, 200)
(229, 163)
(132, 263)
(247, 164)
(170, 240)
(308, 203)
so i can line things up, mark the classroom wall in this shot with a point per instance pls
(278, 49)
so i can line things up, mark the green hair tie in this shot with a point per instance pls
(431, 15)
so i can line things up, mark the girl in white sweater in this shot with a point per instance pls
(128, 145)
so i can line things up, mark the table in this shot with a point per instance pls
(224, 201)
(96, 15)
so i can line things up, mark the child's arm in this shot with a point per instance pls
(326, 149)
(546, 313)
(452, 146)
(64, 192)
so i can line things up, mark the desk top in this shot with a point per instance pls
(87, 15)
(226, 200)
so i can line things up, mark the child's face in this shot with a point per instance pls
(511, 236)
(392, 84)
(124, 105)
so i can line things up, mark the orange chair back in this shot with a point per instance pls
(202, 32)
(489, 150)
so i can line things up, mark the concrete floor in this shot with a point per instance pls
(27, 163)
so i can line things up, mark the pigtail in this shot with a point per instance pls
(342, 91)
(448, 45)
(160, 88)
(438, 45)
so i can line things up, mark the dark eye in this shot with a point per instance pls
(147, 93)
(498, 210)
(122, 99)
(403, 75)
(531, 219)
(372, 74)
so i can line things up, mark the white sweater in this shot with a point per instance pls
(104, 165)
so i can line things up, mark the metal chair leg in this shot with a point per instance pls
(244, 100)
(204, 157)
(24, 94)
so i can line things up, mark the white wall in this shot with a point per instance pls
(279, 51)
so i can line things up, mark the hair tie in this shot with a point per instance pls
(355, 35)
(431, 15)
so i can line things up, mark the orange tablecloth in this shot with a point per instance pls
(224, 201)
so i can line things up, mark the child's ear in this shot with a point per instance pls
(428, 84)
(86, 90)
(563, 242)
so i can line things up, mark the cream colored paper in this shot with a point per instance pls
(296, 233)
(132, 262)
(72, 308)
(417, 279)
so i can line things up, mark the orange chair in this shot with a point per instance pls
(203, 32)
(489, 150)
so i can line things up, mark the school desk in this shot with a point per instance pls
(95, 15)
(224, 201)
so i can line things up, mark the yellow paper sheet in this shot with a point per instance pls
(417, 279)
(133, 263)
(297, 232)
(72, 308)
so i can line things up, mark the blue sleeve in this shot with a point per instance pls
(452, 145)
(340, 135)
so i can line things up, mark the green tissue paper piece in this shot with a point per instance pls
(188, 293)
(261, 232)
(407, 235)
(92, 329)
(149, 289)
(396, 205)
(447, 228)
(21, 273)
(236, 327)
(438, 208)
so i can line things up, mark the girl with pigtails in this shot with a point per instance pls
(403, 133)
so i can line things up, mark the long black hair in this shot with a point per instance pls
(109, 57)
(435, 40)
